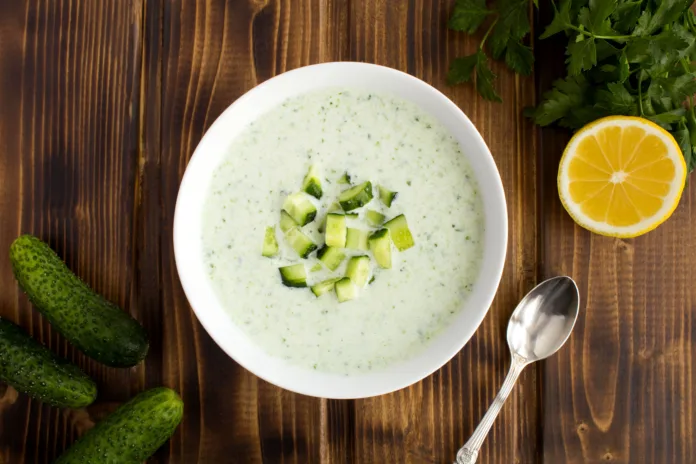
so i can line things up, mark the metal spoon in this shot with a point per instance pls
(540, 325)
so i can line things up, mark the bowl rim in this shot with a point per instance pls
(316, 383)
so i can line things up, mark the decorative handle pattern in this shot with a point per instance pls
(469, 452)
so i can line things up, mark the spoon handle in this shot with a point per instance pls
(469, 452)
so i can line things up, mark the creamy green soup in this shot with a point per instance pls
(375, 137)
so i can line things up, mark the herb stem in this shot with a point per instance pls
(603, 37)
(490, 28)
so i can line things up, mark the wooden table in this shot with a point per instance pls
(102, 103)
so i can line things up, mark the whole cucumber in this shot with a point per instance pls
(97, 327)
(132, 433)
(32, 369)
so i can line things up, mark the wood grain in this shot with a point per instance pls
(103, 103)
(430, 421)
(623, 390)
(69, 129)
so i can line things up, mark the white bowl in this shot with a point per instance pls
(210, 153)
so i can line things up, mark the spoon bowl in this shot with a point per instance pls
(544, 319)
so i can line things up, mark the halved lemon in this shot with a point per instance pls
(621, 176)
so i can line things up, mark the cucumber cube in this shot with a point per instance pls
(335, 230)
(300, 208)
(270, 244)
(400, 233)
(375, 218)
(345, 290)
(380, 245)
(293, 276)
(323, 287)
(356, 239)
(358, 270)
(387, 196)
(356, 197)
(299, 242)
(312, 184)
(331, 257)
(286, 222)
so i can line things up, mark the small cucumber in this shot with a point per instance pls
(97, 327)
(32, 369)
(132, 433)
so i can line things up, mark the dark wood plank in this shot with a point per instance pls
(622, 390)
(69, 86)
(213, 52)
(431, 420)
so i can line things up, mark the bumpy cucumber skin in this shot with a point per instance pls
(32, 369)
(132, 433)
(97, 327)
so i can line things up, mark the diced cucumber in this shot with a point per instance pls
(345, 290)
(334, 207)
(317, 267)
(286, 222)
(311, 183)
(335, 230)
(387, 196)
(323, 287)
(300, 208)
(352, 215)
(344, 179)
(356, 197)
(299, 242)
(358, 270)
(270, 244)
(331, 257)
(375, 218)
(380, 245)
(400, 233)
(356, 239)
(294, 275)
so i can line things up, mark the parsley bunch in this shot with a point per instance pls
(624, 57)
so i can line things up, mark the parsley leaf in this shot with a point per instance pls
(465, 68)
(616, 99)
(519, 57)
(561, 20)
(513, 24)
(485, 78)
(582, 55)
(461, 69)
(682, 137)
(468, 15)
(558, 102)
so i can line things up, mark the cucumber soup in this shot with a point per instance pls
(372, 137)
